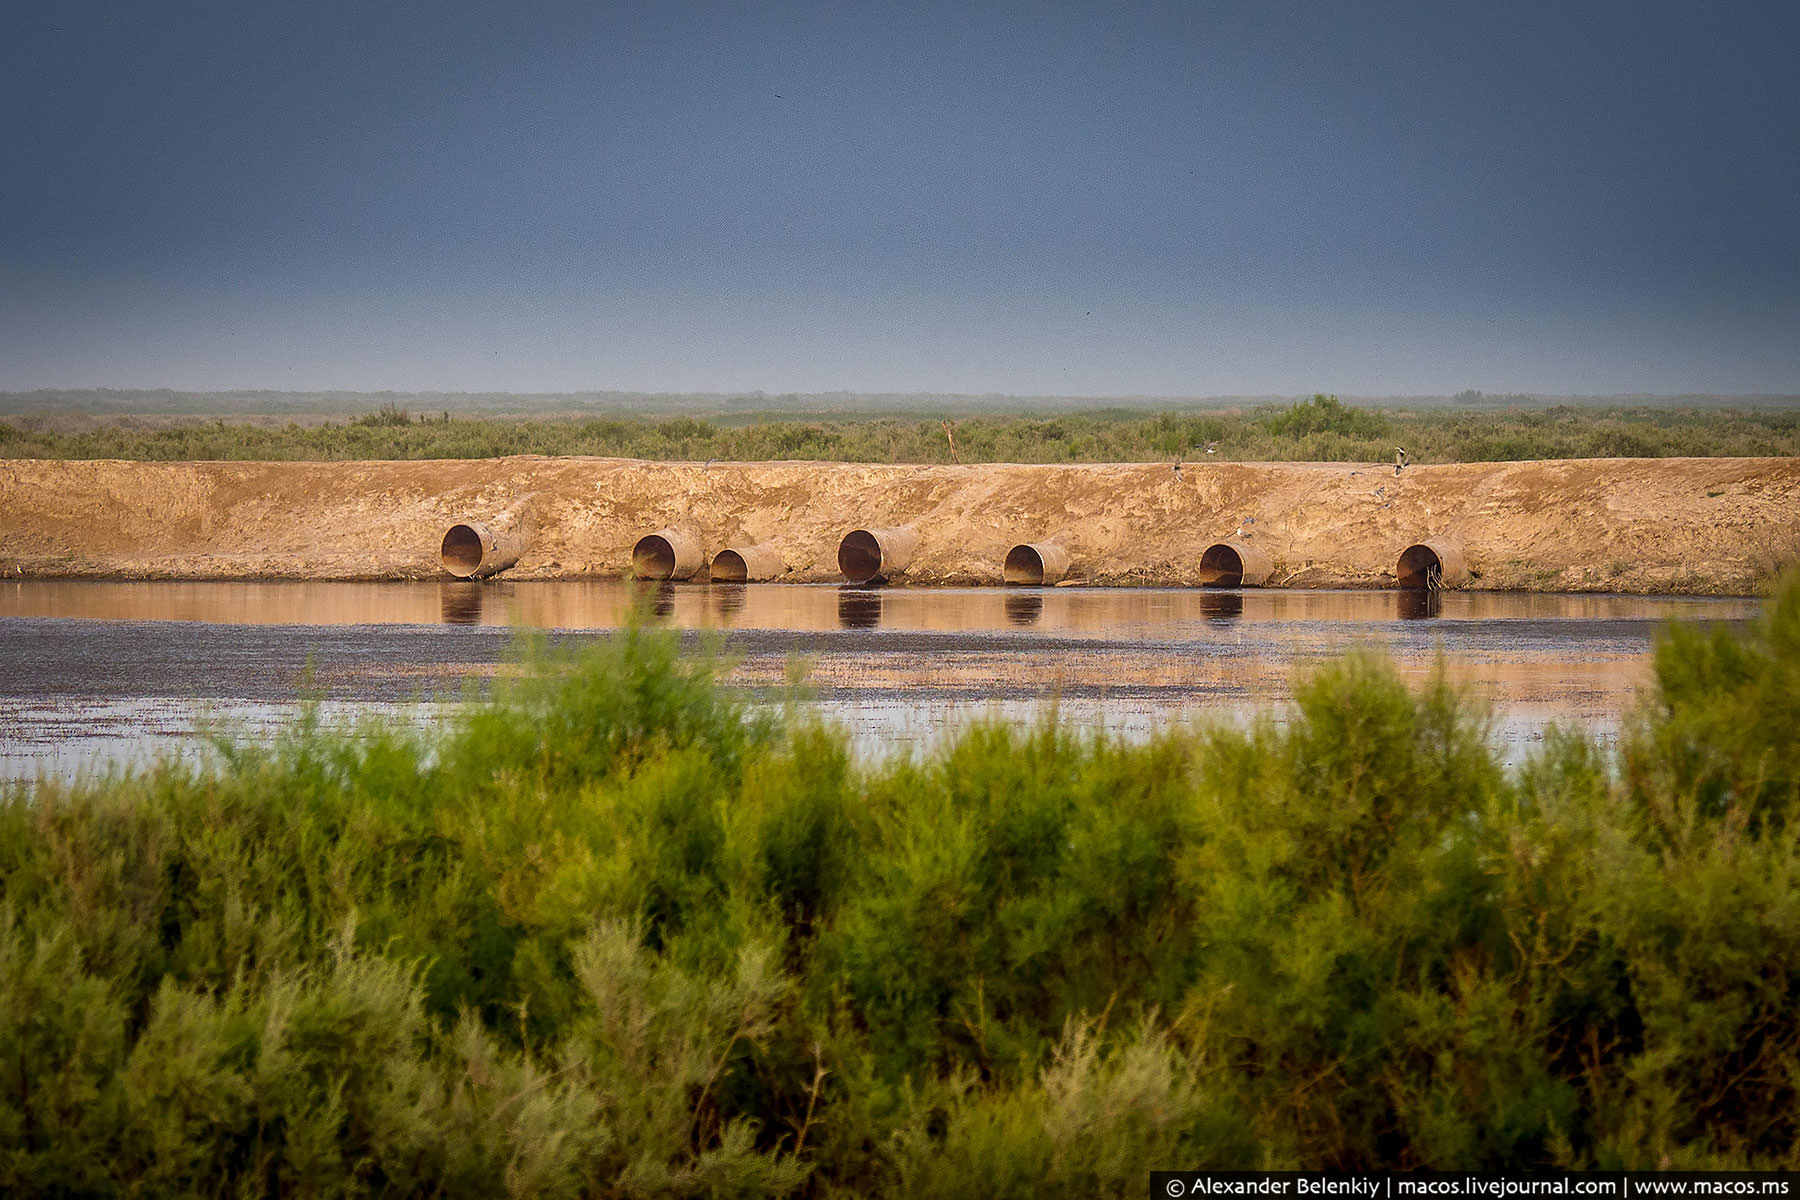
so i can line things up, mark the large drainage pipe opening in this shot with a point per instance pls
(463, 549)
(474, 550)
(665, 554)
(1235, 564)
(746, 564)
(477, 549)
(876, 555)
(1035, 564)
(1433, 563)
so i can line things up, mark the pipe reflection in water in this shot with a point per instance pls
(658, 597)
(1419, 604)
(1023, 608)
(461, 603)
(859, 608)
(1221, 606)
(728, 600)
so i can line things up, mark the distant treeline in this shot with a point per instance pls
(741, 407)
(611, 934)
(1323, 429)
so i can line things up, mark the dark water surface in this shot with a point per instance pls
(97, 671)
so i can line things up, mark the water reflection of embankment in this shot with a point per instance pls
(1163, 653)
(606, 604)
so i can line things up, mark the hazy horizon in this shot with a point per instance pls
(1061, 201)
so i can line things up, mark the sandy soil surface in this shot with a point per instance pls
(1633, 525)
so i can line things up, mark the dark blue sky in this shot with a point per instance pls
(1178, 200)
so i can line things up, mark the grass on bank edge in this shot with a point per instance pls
(1322, 429)
(604, 935)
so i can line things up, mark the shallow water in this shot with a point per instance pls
(92, 672)
(1069, 611)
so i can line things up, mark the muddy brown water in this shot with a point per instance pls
(97, 671)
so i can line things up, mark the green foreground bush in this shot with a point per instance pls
(613, 935)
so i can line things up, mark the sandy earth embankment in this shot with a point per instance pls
(1643, 525)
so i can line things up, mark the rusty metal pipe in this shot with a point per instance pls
(1035, 564)
(666, 554)
(747, 564)
(477, 549)
(1235, 563)
(1433, 563)
(876, 555)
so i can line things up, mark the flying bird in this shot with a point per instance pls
(1400, 459)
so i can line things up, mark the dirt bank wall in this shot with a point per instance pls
(1648, 525)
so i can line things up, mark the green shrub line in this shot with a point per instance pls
(614, 931)
(1322, 429)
